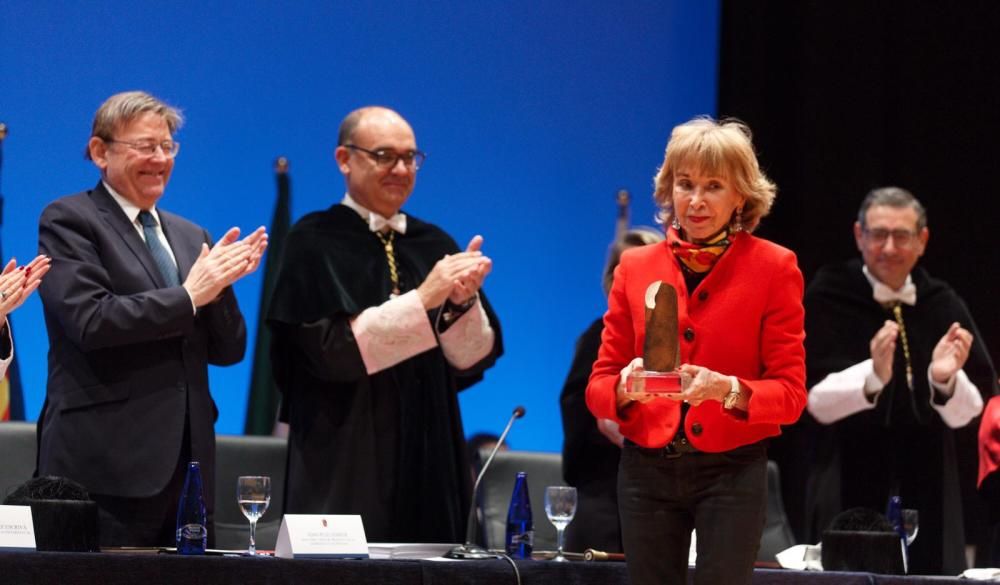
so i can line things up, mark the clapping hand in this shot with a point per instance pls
(18, 282)
(883, 348)
(468, 283)
(228, 261)
(456, 277)
(950, 353)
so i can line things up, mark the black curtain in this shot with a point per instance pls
(843, 97)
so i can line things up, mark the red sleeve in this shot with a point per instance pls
(779, 394)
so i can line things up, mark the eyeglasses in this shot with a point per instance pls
(900, 238)
(387, 159)
(148, 147)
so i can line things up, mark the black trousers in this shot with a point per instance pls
(661, 498)
(150, 521)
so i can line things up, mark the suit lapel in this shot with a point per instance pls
(116, 218)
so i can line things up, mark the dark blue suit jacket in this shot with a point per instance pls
(127, 356)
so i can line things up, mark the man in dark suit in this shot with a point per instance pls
(137, 304)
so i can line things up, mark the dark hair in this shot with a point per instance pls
(892, 197)
(49, 487)
(861, 519)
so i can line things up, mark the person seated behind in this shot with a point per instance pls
(592, 447)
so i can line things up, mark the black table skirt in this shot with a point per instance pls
(45, 568)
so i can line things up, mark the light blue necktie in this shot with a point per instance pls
(163, 260)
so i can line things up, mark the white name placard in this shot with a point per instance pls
(321, 536)
(17, 531)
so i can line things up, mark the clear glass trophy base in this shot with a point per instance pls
(651, 382)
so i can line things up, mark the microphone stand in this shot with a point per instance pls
(470, 550)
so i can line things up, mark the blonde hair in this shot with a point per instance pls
(722, 148)
(122, 108)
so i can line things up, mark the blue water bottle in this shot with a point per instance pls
(192, 532)
(520, 529)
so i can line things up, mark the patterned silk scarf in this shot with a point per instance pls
(698, 258)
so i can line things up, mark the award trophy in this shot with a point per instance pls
(660, 352)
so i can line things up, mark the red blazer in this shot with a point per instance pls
(744, 319)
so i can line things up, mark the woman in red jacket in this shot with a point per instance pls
(698, 459)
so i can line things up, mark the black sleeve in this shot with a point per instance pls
(326, 349)
(5, 345)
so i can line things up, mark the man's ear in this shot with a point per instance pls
(922, 236)
(98, 150)
(857, 235)
(341, 154)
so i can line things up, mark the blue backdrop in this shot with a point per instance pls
(533, 113)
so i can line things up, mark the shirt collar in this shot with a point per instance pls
(131, 209)
(884, 294)
(376, 222)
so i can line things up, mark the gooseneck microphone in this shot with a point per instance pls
(471, 550)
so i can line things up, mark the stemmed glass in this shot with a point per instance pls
(560, 507)
(253, 493)
(911, 524)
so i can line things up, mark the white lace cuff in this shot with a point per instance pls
(469, 339)
(392, 332)
(842, 393)
(965, 403)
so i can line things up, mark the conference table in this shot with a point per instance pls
(45, 568)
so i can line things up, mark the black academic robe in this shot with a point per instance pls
(389, 446)
(589, 459)
(901, 446)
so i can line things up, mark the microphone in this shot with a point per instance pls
(470, 550)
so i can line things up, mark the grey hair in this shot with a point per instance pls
(637, 236)
(122, 108)
(892, 197)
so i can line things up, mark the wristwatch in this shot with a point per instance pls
(452, 312)
(730, 400)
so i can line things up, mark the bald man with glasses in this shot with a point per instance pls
(897, 373)
(378, 321)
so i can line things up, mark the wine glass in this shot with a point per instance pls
(560, 507)
(911, 524)
(253, 493)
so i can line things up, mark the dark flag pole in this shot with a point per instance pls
(262, 406)
(11, 395)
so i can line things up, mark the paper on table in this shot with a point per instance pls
(982, 574)
(407, 550)
(802, 557)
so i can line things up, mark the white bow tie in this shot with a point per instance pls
(885, 295)
(377, 223)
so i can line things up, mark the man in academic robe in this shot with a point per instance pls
(137, 304)
(898, 370)
(378, 321)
